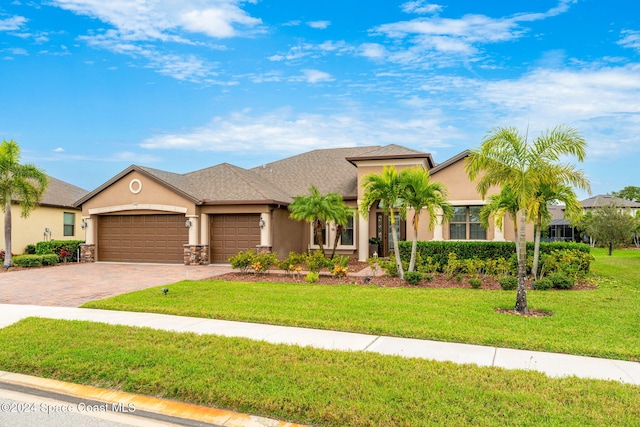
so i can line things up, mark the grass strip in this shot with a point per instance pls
(602, 323)
(319, 387)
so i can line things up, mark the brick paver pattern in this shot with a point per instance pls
(72, 285)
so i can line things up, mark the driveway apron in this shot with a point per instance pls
(72, 285)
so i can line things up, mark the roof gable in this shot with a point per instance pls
(62, 194)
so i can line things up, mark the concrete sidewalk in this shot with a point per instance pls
(551, 364)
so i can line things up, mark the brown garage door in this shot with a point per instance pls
(231, 234)
(142, 238)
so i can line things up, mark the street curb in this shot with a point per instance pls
(141, 403)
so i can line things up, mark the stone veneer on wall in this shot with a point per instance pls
(196, 254)
(87, 252)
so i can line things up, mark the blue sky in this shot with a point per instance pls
(91, 86)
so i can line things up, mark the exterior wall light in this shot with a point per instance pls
(84, 224)
(188, 223)
(261, 223)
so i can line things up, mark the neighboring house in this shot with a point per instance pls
(560, 229)
(55, 218)
(206, 216)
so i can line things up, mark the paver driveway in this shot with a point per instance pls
(72, 285)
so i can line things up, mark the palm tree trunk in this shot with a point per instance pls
(396, 250)
(317, 227)
(521, 297)
(536, 246)
(7, 233)
(336, 239)
(414, 249)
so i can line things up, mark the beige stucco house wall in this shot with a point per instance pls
(58, 199)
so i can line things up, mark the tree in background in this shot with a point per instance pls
(506, 158)
(629, 193)
(418, 193)
(387, 188)
(318, 209)
(24, 184)
(609, 225)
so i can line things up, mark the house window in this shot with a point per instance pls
(348, 233)
(465, 224)
(69, 224)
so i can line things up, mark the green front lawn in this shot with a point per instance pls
(306, 385)
(603, 322)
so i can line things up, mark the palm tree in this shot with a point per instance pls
(22, 183)
(499, 205)
(539, 212)
(385, 187)
(319, 209)
(505, 157)
(419, 193)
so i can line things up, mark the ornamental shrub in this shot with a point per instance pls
(312, 277)
(243, 260)
(28, 260)
(475, 283)
(561, 281)
(316, 261)
(55, 246)
(508, 283)
(543, 284)
(413, 277)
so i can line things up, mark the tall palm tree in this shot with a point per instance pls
(541, 216)
(419, 193)
(505, 157)
(318, 209)
(499, 205)
(385, 187)
(24, 184)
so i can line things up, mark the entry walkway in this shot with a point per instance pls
(552, 364)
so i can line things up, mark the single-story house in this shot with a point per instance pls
(55, 218)
(560, 229)
(206, 216)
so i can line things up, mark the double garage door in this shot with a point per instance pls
(142, 238)
(160, 238)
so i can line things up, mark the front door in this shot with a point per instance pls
(383, 232)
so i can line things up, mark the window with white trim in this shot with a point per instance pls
(465, 224)
(347, 237)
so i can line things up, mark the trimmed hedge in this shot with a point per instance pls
(35, 260)
(439, 250)
(55, 246)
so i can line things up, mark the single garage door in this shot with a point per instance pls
(231, 234)
(142, 238)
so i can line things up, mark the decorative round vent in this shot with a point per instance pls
(135, 186)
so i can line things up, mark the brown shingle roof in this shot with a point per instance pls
(226, 182)
(327, 169)
(62, 194)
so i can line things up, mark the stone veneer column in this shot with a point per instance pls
(87, 252)
(196, 254)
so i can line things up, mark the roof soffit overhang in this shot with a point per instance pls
(426, 161)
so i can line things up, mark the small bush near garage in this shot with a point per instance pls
(243, 260)
(475, 283)
(35, 260)
(56, 246)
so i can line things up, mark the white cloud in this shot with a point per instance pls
(283, 132)
(58, 150)
(316, 76)
(143, 29)
(420, 6)
(320, 25)
(454, 38)
(12, 24)
(630, 39)
(309, 50)
(372, 50)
